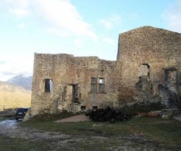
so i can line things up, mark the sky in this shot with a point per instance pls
(77, 27)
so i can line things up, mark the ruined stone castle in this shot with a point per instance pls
(148, 62)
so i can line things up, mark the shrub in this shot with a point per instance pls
(143, 107)
(52, 117)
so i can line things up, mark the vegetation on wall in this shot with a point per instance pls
(125, 95)
(142, 107)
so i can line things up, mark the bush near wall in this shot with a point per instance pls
(142, 107)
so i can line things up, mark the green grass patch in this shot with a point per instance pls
(156, 129)
(17, 144)
(52, 117)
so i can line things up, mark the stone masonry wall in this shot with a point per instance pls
(65, 71)
(157, 49)
(148, 61)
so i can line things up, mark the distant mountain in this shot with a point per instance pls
(13, 96)
(22, 80)
(8, 87)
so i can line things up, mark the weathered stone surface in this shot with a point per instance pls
(150, 54)
(157, 49)
(66, 71)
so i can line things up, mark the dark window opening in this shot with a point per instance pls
(93, 88)
(97, 85)
(94, 107)
(93, 80)
(170, 74)
(75, 93)
(93, 85)
(48, 85)
(101, 85)
(83, 108)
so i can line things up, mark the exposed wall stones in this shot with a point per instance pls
(158, 49)
(147, 57)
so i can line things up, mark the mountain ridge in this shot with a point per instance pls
(23, 80)
(10, 87)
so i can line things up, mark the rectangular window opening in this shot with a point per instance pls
(83, 108)
(101, 80)
(48, 85)
(97, 85)
(93, 85)
(101, 85)
(94, 107)
(75, 93)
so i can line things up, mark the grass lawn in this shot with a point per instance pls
(166, 131)
(17, 144)
(147, 133)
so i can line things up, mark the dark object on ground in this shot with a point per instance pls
(20, 113)
(108, 114)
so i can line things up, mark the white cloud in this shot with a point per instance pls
(14, 65)
(59, 14)
(20, 12)
(17, 3)
(172, 15)
(108, 40)
(21, 26)
(58, 31)
(19, 8)
(111, 21)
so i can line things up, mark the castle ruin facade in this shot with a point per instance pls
(148, 62)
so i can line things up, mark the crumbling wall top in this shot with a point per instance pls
(149, 30)
(148, 40)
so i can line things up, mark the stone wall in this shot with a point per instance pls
(148, 61)
(71, 82)
(150, 53)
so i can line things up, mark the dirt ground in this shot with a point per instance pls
(77, 118)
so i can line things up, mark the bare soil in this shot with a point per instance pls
(77, 118)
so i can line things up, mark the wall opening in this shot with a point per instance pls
(94, 107)
(75, 93)
(144, 83)
(144, 70)
(170, 75)
(93, 85)
(101, 83)
(83, 108)
(97, 85)
(48, 85)
(169, 90)
(72, 93)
